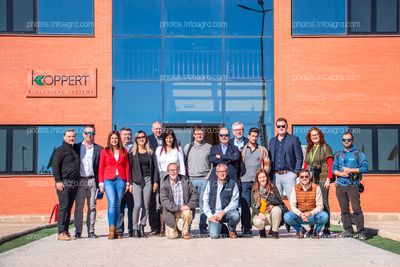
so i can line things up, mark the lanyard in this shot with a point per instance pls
(312, 155)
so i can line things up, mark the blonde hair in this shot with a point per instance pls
(135, 147)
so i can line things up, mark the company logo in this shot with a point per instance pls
(57, 79)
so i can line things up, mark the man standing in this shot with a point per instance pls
(239, 140)
(65, 168)
(286, 157)
(307, 206)
(198, 165)
(254, 157)
(348, 166)
(179, 199)
(220, 202)
(155, 141)
(127, 200)
(226, 153)
(89, 153)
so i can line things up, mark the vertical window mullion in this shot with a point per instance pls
(374, 11)
(375, 149)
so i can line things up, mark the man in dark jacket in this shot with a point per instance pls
(89, 153)
(65, 168)
(178, 199)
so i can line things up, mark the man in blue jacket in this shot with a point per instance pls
(286, 158)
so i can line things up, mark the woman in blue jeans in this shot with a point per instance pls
(114, 178)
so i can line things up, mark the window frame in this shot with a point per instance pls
(10, 17)
(374, 128)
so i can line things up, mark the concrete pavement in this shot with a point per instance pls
(156, 251)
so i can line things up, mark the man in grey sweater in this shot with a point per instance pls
(198, 167)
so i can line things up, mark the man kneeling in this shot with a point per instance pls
(220, 203)
(178, 199)
(306, 206)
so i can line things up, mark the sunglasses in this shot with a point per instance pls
(304, 177)
(141, 137)
(280, 126)
(348, 140)
(89, 133)
(224, 135)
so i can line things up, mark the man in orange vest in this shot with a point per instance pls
(306, 206)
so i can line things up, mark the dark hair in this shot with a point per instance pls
(304, 170)
(120, 146)
(197, 128)
(310, 143)
(281, 119)
(125, 129)
(348, 133)
(254, 130)
(256, 184)
(69, 130)
(89, 126)
(165, 135)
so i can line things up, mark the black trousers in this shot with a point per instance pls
(127, 201)
(345, 195)
(66, 199)
(154, 213)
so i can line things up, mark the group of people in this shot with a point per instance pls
(159, 181)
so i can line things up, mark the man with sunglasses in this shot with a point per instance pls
(224, 152)
(307, 206)
(286, 158)
(348, 163)
(89, 153)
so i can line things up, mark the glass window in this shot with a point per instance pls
(193, 17)
(23, 16)
(192, 102)
(193, 59)
(316, 17)
(138, 102)
(360, 16)
(66, 16)
(388, 149)
(22, 150)
(363, 142)
(243, 22)
(243, 58)
(3, 15)
(3, 150)
(141, 17)
(49, 139)
(386, 15)
(137, 59)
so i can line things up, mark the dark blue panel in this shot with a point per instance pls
(360, 15)
(386, 16)
(23, 15)
(137, 103)
(137, 58)
(316, 17)
(65, 17)
(242, 22)
(193, 59)
(243, 58)
(193, 17)
(3, 150)
(193, 102)
(3, 15)
(140, 17)
(49, 138)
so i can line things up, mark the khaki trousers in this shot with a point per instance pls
(187, 217)
(272, 218)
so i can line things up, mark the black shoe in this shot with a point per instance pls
(154, 232)
(77, 236)
(224, 230)
(262, 234)
(92, 235)
(131, 233)
(310, 233)
(346, 234)
(136, 234)
(361, 236)
(141, 232)
(275, 235)
(326, 232)
(247, 233)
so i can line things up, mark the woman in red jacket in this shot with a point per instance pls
(114, 178)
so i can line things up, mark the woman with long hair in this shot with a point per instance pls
(114, 179)
(267, 204)
(144, 180)
(319, 160)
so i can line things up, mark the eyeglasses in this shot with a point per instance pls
(89, 133)
(280, 126)
(304, 177)
(221, 171)
(237, 130)
(223, 135)
(141, 137)
(173, 170)
(348, 140)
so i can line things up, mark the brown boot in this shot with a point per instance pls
(111, 232)
(162, 225)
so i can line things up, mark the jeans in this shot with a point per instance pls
(232, 217)
(346, 194)
(66, 200)
(200, 184)
(86, 191)
(141, 200)
(245, 204)
(319, 220)
(285, 182)
(114, 191)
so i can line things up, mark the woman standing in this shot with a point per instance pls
(267, 204)
(114, 178)
(319, 160)
(144, 179)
